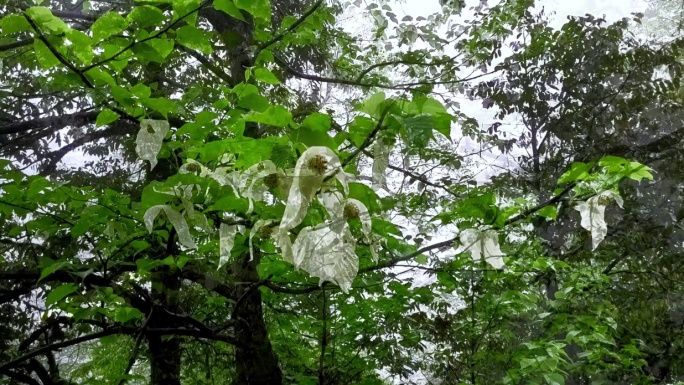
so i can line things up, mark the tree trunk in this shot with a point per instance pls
(255, 361)
(165, 361)
(165, 352)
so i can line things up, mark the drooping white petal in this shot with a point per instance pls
(470, 240)
(193, 167)
(223, 175)
(180, 191)
(364, 216)
(327, 254)
(177, 221)
(491, 250)
(592, 213)
(374, 251)
(332, 201)
(313, 167)
(227, 241)
(483, 245)
(381, 153)
(252, 180)
(150, 138)
(255, 229)
(282, 240)
(226, 176)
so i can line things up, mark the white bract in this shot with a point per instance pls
(261, 223)
(176, 220)
(312, 168)
(483, 244)
(257, 180)
(150, 138)
(223, 175)
(593, 213)
(327, 252)
(227, 240)
(381, 153)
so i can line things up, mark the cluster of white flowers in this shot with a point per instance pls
(326, 251)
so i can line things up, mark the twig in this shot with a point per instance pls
(293, 27)
(136, 348)
(370, 137)
(247, 292)
(58, 55)
(58, 345)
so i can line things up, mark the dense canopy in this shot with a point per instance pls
(335, 192)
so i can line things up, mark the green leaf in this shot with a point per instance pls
(578, 171)
(281, 155)
(145, 16)
(230, 204)
(81, 45)
(419, 130)
(261, 9)
(372, 105)
(145, 52)
(52, 267)
(548, 212)
(266, 76)
(525, 362)
(365, 195)
(45, 20)
(229, 8)
(277, 116)
(194, 38)
(45, 57)
(162, 105)
(554, 379)
(126, 314)
(162, 46)
(638, 171)
(186, 9)
(59, 293)
(317, 122)
(254, 102)
(359, 129)
(109, 24)
(12, 24)
(312, 138)
(105, 117)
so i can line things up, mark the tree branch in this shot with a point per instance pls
(136, 348)
(370, 137)
(58, 345)
(292, 28)
(54, 122)
(113, 130)
(58, 55)
(216, 70)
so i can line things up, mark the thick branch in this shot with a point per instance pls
(56, 346)
(54, 122)
(292, 28)
(216, 70)
(117, 128)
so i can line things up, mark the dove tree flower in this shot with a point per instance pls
(313, 169)
(150, 138)
(227, 235)
(592, 213)
(258, 179)
(176, 219)
(483, 244)
(381, 153)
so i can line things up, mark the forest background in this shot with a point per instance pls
(298, 192)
